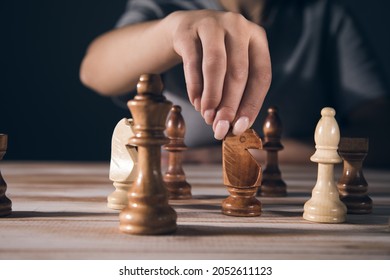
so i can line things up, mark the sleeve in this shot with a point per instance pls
(356, 72)
(145, 10)
(140, 10)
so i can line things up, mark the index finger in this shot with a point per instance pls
(259, 81)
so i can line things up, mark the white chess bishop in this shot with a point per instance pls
(123, 165)
(325, 205)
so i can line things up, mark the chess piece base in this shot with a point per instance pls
(178, 190)
(357, 204)
(333, 213)
(117, 200)
(5, 206)
(241, 202)
(5, 209)
(272, 188)
(148, 216)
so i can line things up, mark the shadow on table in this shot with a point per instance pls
(39, 214)
(264, 231)
(189, 230)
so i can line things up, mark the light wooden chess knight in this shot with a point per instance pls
(148, 211)
(325, 205)
(241, 174)
(123, 165)
(5, 202)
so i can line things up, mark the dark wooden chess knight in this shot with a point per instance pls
(241, 174)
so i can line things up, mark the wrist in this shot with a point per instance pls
(167, 27)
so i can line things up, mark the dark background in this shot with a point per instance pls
(45, 110)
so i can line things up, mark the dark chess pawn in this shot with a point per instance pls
(352, 185)
(5, 202)
(175, 178)
(272, 184)
(148, 211)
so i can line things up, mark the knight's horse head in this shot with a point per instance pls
(248, 140)
(240, 168)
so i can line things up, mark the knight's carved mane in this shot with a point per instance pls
(240, 168)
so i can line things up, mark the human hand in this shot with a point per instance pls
(226, 64)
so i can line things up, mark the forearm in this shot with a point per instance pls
(225, 57)
(115, 60)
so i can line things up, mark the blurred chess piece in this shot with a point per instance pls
(272, 184)
(175, 178)
(148, 211)
(241, 174)
(123, 165)
(352, 185)
(5, 202)
(325, 205)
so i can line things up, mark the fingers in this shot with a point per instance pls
(204, 62)
(227, 67)
(234, 85)
(259, 81)
(212, 38)
(190, 49)
(244, 91)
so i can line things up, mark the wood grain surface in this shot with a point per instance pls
(59, 212)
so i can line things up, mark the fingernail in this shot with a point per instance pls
(240, 126)
(197, 104)
(221, 129)
(209, 115)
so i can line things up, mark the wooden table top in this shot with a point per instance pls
(59, 212)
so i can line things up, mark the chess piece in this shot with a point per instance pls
(123, 165)
(175, 178)
(241, 174)
(272, 183)
(148, 211)
(352, 185)
(325, 206)
(5, 202)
